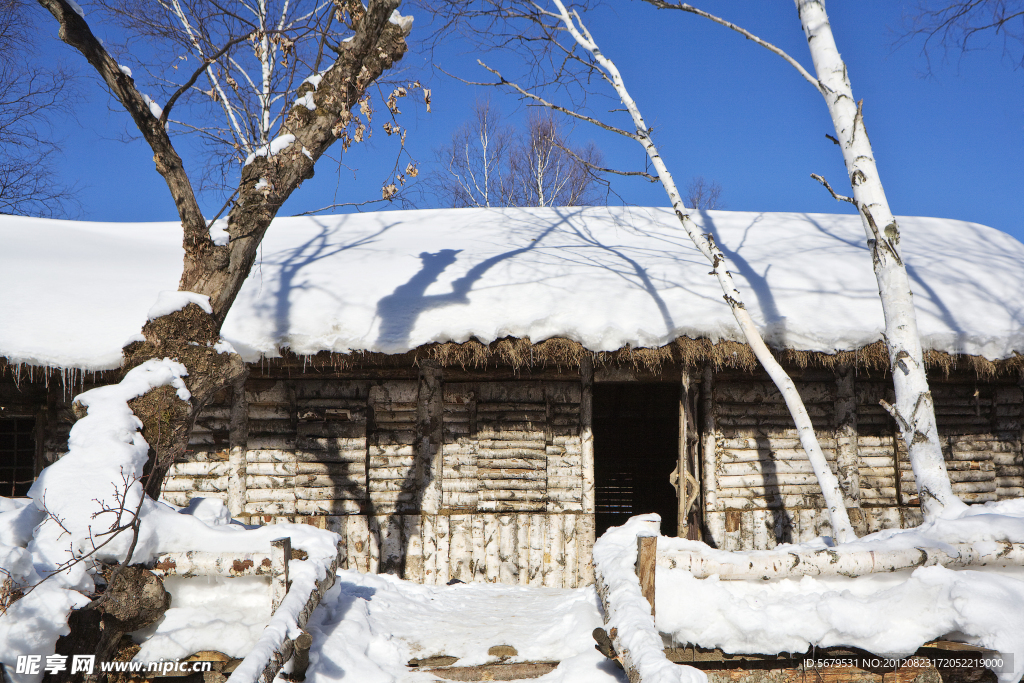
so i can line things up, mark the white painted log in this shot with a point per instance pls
(196, 563)
(491, 542)
(570, 574)
(328, 507)
(428, 531)
(709, 453)
(200, 469)
(523, 548)
(836, 562)
(554, 553)
(478, 548)
(508, 567)
(197, 484)
(442, 534)
(586, 534)
(461, 551)
(538, 527)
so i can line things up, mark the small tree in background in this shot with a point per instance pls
(488, 163)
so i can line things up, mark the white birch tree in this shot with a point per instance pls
(489, 163)
(914, 410)
(572, 24)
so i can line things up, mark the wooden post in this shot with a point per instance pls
(300, 658)
(588, 531)
(429, 435)
(683, 465)
(280, 556)
(714, 518)
(646, 560)
(238, 437)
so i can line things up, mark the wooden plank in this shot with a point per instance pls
(709, 454)
(646, 560)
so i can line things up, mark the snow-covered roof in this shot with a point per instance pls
(74, 292)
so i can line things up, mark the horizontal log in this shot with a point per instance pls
(390, 473)
(464, 485)
(329, 507)
(265, 455)
(830, 562)
(376, 461)
(196, 484)
(565, 474)
(345, 469)
(203, 469)
(356, 492)
(511, 506)
(502, 453)
(759, 481)
(512, 495)
(391, 450)
(196, 563)
(280, 469)
(731, 455)
(269, 508)
(790, 501)
(957, 476)
(974, 487)
(508, 473)
(512, 485)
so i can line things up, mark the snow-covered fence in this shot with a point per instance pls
(293, 595)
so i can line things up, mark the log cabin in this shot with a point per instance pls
(478, 394)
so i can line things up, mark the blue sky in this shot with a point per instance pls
(949, 143)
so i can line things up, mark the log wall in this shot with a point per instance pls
(761, 490)
(361, 457)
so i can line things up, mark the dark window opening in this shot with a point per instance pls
(17, 456)
(636, 442)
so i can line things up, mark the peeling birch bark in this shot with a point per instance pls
(842, 530)
(914, 411)
(832, 562)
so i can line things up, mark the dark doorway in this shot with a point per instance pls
(636, 442)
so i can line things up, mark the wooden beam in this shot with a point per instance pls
(238, 439)
(587, 532)
(714, 519)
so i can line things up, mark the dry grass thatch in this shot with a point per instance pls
(519, 354)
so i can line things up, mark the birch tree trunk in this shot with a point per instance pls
(914, 411)
(841, 528)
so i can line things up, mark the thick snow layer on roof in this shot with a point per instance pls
(74, 292)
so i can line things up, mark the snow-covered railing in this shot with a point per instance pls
(836, 562)
(294, 595)
(628, 614)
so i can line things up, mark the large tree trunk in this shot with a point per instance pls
(914, 411)
(216, 272)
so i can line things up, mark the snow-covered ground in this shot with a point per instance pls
(606, 277)
(368, 628)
